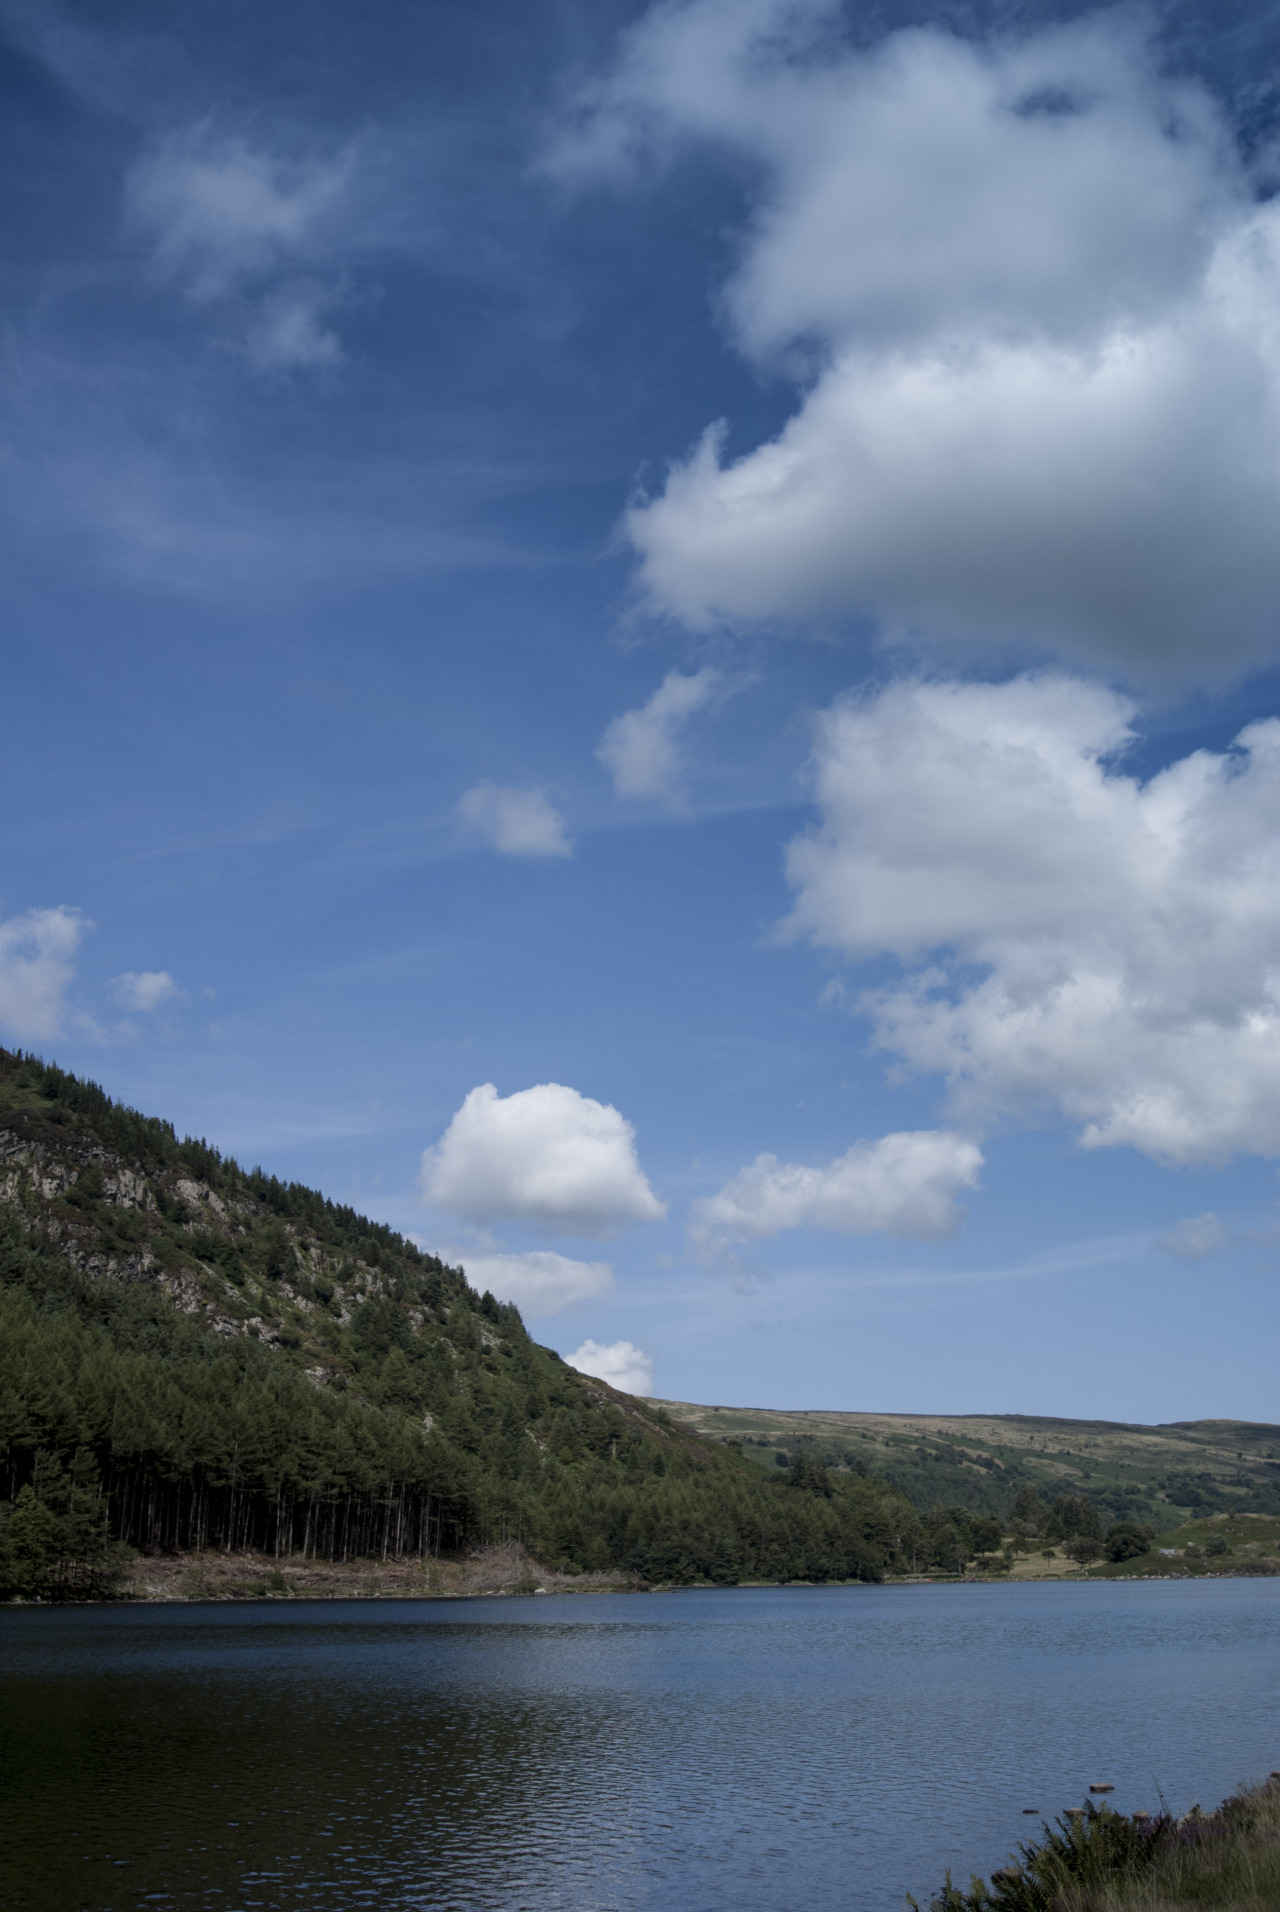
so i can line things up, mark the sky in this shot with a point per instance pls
(644, 640)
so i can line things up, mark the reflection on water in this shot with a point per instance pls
(741, 1751)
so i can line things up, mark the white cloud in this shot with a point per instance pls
(1036, 306)
(546, 1155)
(640, 749)
(903, 1184)
(1074, 941)
(232, 222)
(619, 1363)
(1195, 1237)
(145, 990)
(37, 963)
(539, 1283)
(517, 822)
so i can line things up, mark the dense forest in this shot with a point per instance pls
(196, 1356)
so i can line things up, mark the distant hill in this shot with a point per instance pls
(196, 1356)
(1164, 1475)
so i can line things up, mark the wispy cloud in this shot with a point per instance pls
(641, 750)
(145, 991)
(517, 822)
(1195, 1237)
(290, 331)
(239, 226)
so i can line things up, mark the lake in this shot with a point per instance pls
(749, 1750)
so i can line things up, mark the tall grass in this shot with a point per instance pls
(1103, 1862)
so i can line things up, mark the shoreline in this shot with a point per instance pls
(505, 1571)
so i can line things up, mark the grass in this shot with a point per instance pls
(1100, 1861)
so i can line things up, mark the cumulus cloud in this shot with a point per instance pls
(546, 1155)
(903, 1184)
(145, 990)
(1036, 305)
(619, 1363)
(1073, 940)
(37, 964)
(539, 1283)
(641, 749)
(229, 221)
(517, 822)
(1195, 1237)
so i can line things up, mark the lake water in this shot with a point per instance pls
(772, 1750)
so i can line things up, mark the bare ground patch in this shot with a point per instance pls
(507, 1568)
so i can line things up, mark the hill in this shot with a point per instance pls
(194, 1356)
(1164, 1475)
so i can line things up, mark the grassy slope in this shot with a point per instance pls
(1165, 1475)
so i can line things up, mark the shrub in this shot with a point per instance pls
(1103, 1862)
(1127, 1540)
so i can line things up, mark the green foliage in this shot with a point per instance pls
(1029, 1511)
(1128, 1541)
(1078, 1854)
(1099, 1861)
(1074, 1516)
(55, 1542)
(936, 1473)
(810, 1476)
(950, 1539)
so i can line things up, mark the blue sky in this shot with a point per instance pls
(644, 640)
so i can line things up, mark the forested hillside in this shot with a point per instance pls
(196, 1356)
